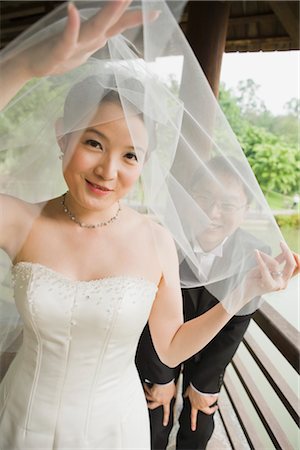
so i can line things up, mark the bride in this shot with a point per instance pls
(89, 271)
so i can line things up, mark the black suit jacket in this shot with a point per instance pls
(205, 370)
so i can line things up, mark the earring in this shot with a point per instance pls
(61, 156)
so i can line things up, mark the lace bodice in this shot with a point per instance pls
(78, 350)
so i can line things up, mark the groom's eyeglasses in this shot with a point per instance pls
(208, 202)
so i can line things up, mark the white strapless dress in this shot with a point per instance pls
(73, 383)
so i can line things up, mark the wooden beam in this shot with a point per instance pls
(264, 44)
(269, 418)
(256, 41)
(22, 12)
(13, 29)
(274, 377)
(231, 422)
(283, 335)
(245, 20)
(243, 415)
(206, 32)
(288, 18)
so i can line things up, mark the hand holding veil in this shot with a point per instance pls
(196, 180)
(72, 47)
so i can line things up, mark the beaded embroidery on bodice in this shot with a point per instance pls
(65, 388)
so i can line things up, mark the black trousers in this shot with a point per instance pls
(186, 438)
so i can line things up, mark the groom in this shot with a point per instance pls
(225, 200)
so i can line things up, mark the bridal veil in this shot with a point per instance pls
(193, 158)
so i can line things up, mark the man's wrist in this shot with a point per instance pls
(160, 384)
(205, 394)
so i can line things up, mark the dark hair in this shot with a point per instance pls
(84, 98)
(218, 165)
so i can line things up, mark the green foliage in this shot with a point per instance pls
(232, 111)
(275, 167)
(270, 143)
(293, 107)
(247, 98)
(284, 126)
(278, 201)
(288, 221)
(287, 127)
(290, 226)
(11, 118)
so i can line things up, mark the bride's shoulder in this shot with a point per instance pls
(16, 218)
(13, 207)
(149, 225)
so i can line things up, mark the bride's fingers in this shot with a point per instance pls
(267, 278)
(64, 46)
(131, 19)
(71, 31)
(286, 257)
(101, 22)
(271, 262)
(290, 263)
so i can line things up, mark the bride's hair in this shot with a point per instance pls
(85, 97)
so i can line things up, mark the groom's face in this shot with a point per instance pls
(225, 203)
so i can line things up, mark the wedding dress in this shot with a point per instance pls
(73, 383)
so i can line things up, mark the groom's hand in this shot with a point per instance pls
(160, 395)
(204, 403)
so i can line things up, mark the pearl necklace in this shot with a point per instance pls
(85, 225)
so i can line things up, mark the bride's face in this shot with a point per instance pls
(102, 164)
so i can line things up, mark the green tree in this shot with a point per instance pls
(269, 143)
(275, 166)
(248, 99)
(232, 110)
(293, 107)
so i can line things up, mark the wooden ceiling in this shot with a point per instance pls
(253, 25)
(263, 25)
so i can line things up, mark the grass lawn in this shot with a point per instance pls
(279, 201)
(291, 236)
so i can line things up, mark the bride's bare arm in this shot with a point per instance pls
(174, 341)
(69, 49)
(16, 217)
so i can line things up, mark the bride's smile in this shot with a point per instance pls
(103, 163)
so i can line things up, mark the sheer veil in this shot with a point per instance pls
(193, 164)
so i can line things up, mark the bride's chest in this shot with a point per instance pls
(91, 255)
(47, 300)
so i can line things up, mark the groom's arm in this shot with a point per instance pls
(149, 366)
(213, 359)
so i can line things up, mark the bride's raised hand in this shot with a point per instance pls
(68, 49)
(271, 274)
(73, 46)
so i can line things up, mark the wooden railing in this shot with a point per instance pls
(245, 402)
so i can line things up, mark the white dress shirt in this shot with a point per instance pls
(206, 259)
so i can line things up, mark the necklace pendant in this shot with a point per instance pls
(85, 225)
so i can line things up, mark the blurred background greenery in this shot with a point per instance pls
(271, 145)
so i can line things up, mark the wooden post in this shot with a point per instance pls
(206, 33)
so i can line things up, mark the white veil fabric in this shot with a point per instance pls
(194, 164)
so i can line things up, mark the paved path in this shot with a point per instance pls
(285, 212)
